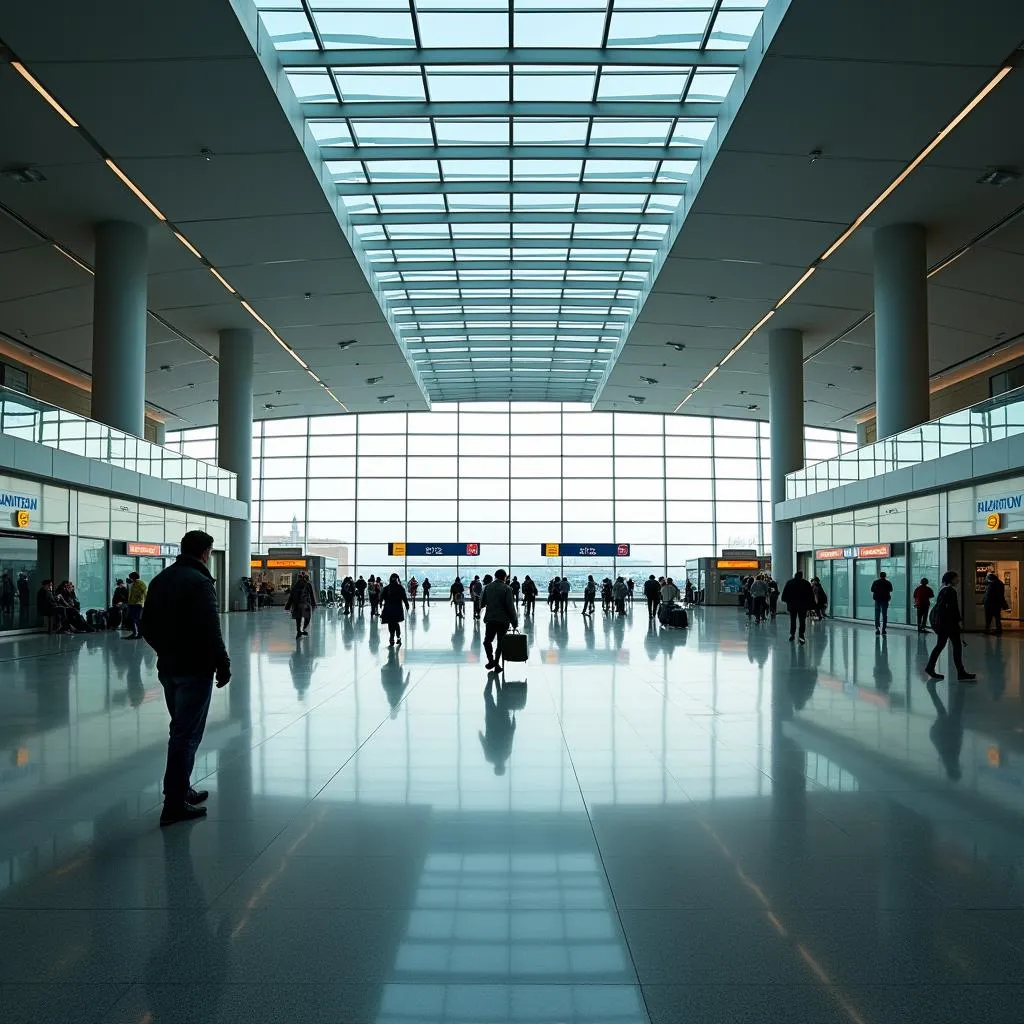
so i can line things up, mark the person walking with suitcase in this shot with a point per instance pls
(457, 597)
(499, 614)
(798, 597)
(946, 621)
(881, 591)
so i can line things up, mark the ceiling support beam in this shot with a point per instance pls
(523, 151)
(418, 110)
(487, 57)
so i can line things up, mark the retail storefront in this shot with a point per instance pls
(59, 533)
(974, 530)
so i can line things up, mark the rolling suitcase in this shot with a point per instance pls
(679, 619)
(514, 647)
(665, 614)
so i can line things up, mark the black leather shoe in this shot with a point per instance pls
(198, 796)
(182, 812)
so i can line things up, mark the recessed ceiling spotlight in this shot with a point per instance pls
(814, 156)
(346, 344)
(374, 380)
(307, 295)
(206, 154)
(999, 176)
(649, 380)
(677, 345)
(856, 369)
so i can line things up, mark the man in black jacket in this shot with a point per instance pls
(652, 591)
(798, 597)
(181, 623)
(994, 602)
(946, 620)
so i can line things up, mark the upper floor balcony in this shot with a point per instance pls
(995, 419)
(29, 419)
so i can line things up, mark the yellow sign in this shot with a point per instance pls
(552, 550)
(286, 563)
(397, 549)
(994, 521)
(21, 518)
(737, 563)
(256, 563)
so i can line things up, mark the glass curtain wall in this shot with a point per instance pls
(509, 477)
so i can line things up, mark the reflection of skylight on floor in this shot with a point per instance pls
(464, 137)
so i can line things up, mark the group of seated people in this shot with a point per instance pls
(62, 608)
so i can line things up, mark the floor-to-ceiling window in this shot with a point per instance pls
(509, 477)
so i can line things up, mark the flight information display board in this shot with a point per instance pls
(406, 549)
(584, 550)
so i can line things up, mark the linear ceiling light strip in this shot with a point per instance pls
(155, 210)
(864, 215)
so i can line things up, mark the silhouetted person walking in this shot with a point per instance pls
(946, 620)
(798, 597)
(923, 595)
(394, 604)
(881, 591)
(499, 613)
(994, 602)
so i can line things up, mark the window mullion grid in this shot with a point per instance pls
(714, 496)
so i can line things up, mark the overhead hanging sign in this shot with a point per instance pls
(584, 550)
(407, 549)
(145, 550)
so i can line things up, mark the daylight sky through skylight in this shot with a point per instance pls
(513, 172)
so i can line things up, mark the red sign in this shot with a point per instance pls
(829, 554)
(875, 551)
(472, 549)
(146, 550)
(622, 551)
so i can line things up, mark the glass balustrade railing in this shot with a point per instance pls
(28, 418)
(991, 420)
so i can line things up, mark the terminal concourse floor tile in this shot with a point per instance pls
(710, 826)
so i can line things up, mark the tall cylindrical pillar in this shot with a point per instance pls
(234, 449)
(119, 326)
(160, 429)
(901, 328)
(786, 424)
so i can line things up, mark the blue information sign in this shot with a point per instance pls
(404, 549)
(584, 550)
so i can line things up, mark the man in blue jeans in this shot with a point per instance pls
(181, 623)
(881, 591)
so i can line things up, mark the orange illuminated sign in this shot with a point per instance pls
(829, 554)
(146, 550)
(256, 563)
(993, 522)
(738, 563)
(21, 519)
(875, 551)
(286, 563)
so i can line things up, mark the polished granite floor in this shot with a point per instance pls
(711, 825)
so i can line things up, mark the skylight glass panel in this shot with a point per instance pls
(733, 30)
(677, 30)
(393, 133)
(627, 83)
(466, 132)
(558, 28)
(541, 82)
(534, 237)
(372, 85)
(463, 28)
(546, 131)
(311, 86)
(458, 84)
(364, 30)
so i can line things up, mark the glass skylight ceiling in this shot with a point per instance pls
(513, 171)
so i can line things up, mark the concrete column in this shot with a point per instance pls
(234, 448)
(119, 326)
(862, 434)
(161, 433)
(901, 328)
(786, 422)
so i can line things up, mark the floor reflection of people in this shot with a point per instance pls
(187, 921)
(995, 669)
(758, 646)
(499, 726)
(947, 731)
(395, 680)
(881, 671)
(459, 635)
(652, 644)
(300, 664)
(374, 635)
(802, 676)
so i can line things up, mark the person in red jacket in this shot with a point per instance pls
(923, 595)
